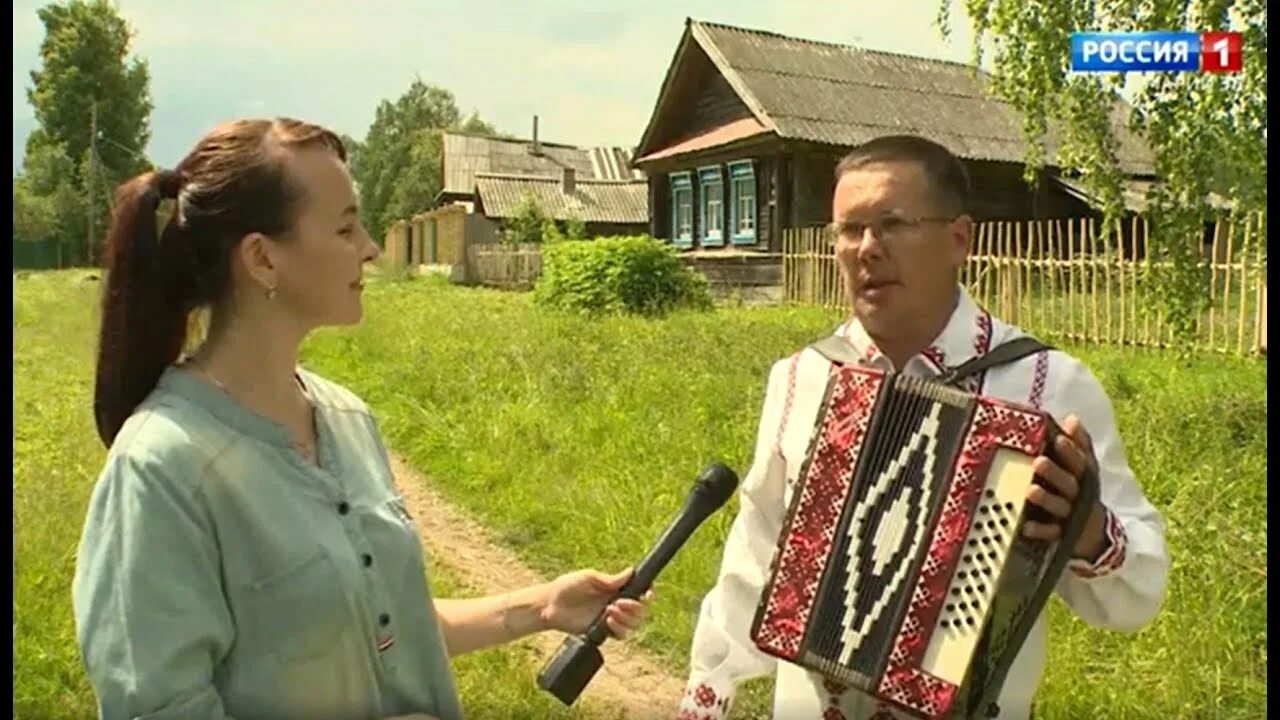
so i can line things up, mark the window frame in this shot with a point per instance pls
(711, 177)
(681, 183)
(739, 172)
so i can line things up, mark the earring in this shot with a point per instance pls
(271, 293)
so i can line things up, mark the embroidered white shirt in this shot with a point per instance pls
(1121, 591)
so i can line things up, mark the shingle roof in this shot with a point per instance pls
(466, 155)
(843, 95)
(599, 201)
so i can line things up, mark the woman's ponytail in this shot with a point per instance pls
(144, 314)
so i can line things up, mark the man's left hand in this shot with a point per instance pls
(574, 600)
(1075, 450)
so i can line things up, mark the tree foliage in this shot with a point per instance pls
(1206, 132)
(399, 163)
(86, 76)
(34, 216)
(85, 63)
(48, 203)
(528, 224)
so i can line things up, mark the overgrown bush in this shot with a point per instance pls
(574, 229)
(531, 225)
(627, 274)
(528, 225)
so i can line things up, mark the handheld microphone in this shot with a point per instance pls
(573, 666)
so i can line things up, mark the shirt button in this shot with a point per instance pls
(367, 559)
(384, 619)
(343, 508)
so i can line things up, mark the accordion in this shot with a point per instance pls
(901, 570)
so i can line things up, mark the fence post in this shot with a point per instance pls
(1262, 316)
(1072, 268)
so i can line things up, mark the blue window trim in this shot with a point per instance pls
(710, 177)
(742, 170)
(681, 181)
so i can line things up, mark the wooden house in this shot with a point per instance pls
(484, 180)
(748, 126)
(605, 207)
(464, 156)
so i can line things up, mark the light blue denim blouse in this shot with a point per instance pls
(220, 575)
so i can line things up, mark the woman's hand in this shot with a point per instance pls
(574, 600)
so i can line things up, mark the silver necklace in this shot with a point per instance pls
(306, 449)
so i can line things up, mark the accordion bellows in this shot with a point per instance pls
(901, 571)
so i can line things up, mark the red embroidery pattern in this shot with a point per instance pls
(786, 404)
(1111, 558)
(1038, 380)
(994, 424)
(981, 346)
(936, 356)
(790, 597)
(982, 342)
(701, 702)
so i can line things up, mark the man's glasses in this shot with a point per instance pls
(887, 229)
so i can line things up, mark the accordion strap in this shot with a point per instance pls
(1002, 354)
(838, 350)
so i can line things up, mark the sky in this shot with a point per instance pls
(590, 70)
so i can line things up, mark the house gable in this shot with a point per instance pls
(841, 96)
(697, 100)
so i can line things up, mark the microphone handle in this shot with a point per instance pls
(669, 543)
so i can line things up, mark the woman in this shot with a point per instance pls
(245, 552)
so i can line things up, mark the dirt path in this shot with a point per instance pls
(629, 680)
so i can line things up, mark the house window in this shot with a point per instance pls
(711, 217)
(681, 209)
(742, 192)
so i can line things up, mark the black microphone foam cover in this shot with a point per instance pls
(715, 486)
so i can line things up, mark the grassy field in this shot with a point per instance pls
(556, 430)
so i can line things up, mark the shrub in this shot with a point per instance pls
(531, 225)
(571, 229)
(628, 274)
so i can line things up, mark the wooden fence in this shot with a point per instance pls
(512, 267)
(1061, 279)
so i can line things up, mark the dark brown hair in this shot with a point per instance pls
(234, 182)
(946, 173)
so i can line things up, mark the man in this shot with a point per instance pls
(902, 234)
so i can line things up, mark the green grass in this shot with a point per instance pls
(56, 457)
(576, 441)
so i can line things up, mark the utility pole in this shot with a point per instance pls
(90, 178)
